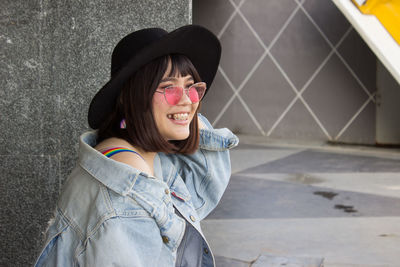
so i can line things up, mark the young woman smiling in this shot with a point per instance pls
(153, 167)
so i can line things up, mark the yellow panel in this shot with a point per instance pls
(386, 11)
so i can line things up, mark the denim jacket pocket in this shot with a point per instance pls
(179, 189)
(180, 192)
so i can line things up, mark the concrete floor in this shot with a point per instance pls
(296, 205)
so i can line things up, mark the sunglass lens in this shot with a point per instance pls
(173, 95)
(193, 95)
(196, 93)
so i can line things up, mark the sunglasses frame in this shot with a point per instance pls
(163, 89)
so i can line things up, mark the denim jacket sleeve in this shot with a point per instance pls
(206, 172)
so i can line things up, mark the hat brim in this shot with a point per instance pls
(195, 42)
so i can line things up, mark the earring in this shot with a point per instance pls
(122, 124)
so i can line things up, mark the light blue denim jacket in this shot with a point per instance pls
(110, 214)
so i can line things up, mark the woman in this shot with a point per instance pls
(154, 168)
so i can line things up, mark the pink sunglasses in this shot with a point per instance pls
(173, 94)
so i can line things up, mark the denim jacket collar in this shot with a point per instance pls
(123, 179)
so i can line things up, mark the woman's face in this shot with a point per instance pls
(173, 121)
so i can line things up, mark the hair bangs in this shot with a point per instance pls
(182, 66)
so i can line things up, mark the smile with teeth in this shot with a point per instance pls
(178, 116)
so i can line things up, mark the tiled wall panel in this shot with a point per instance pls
(290, 69)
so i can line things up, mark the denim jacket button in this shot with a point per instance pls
(192, 218)
(166, 191)
(206, 250)
(165, 239)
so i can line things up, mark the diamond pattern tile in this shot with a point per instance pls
(305, 33)
(324, 13)
(240, 50)
(236, 2)
(267, 92)
(334, 95)
(267, 17)
(360, 58)
(237, 119)
(298, 124)
(300, 49)
(362, 129)
(218, 94)
(218, 12)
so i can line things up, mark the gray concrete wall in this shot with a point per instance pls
(55, 55)
(290, 69)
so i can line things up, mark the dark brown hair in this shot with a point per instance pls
(135, 105)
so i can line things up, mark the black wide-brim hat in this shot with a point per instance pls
(140, 47)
